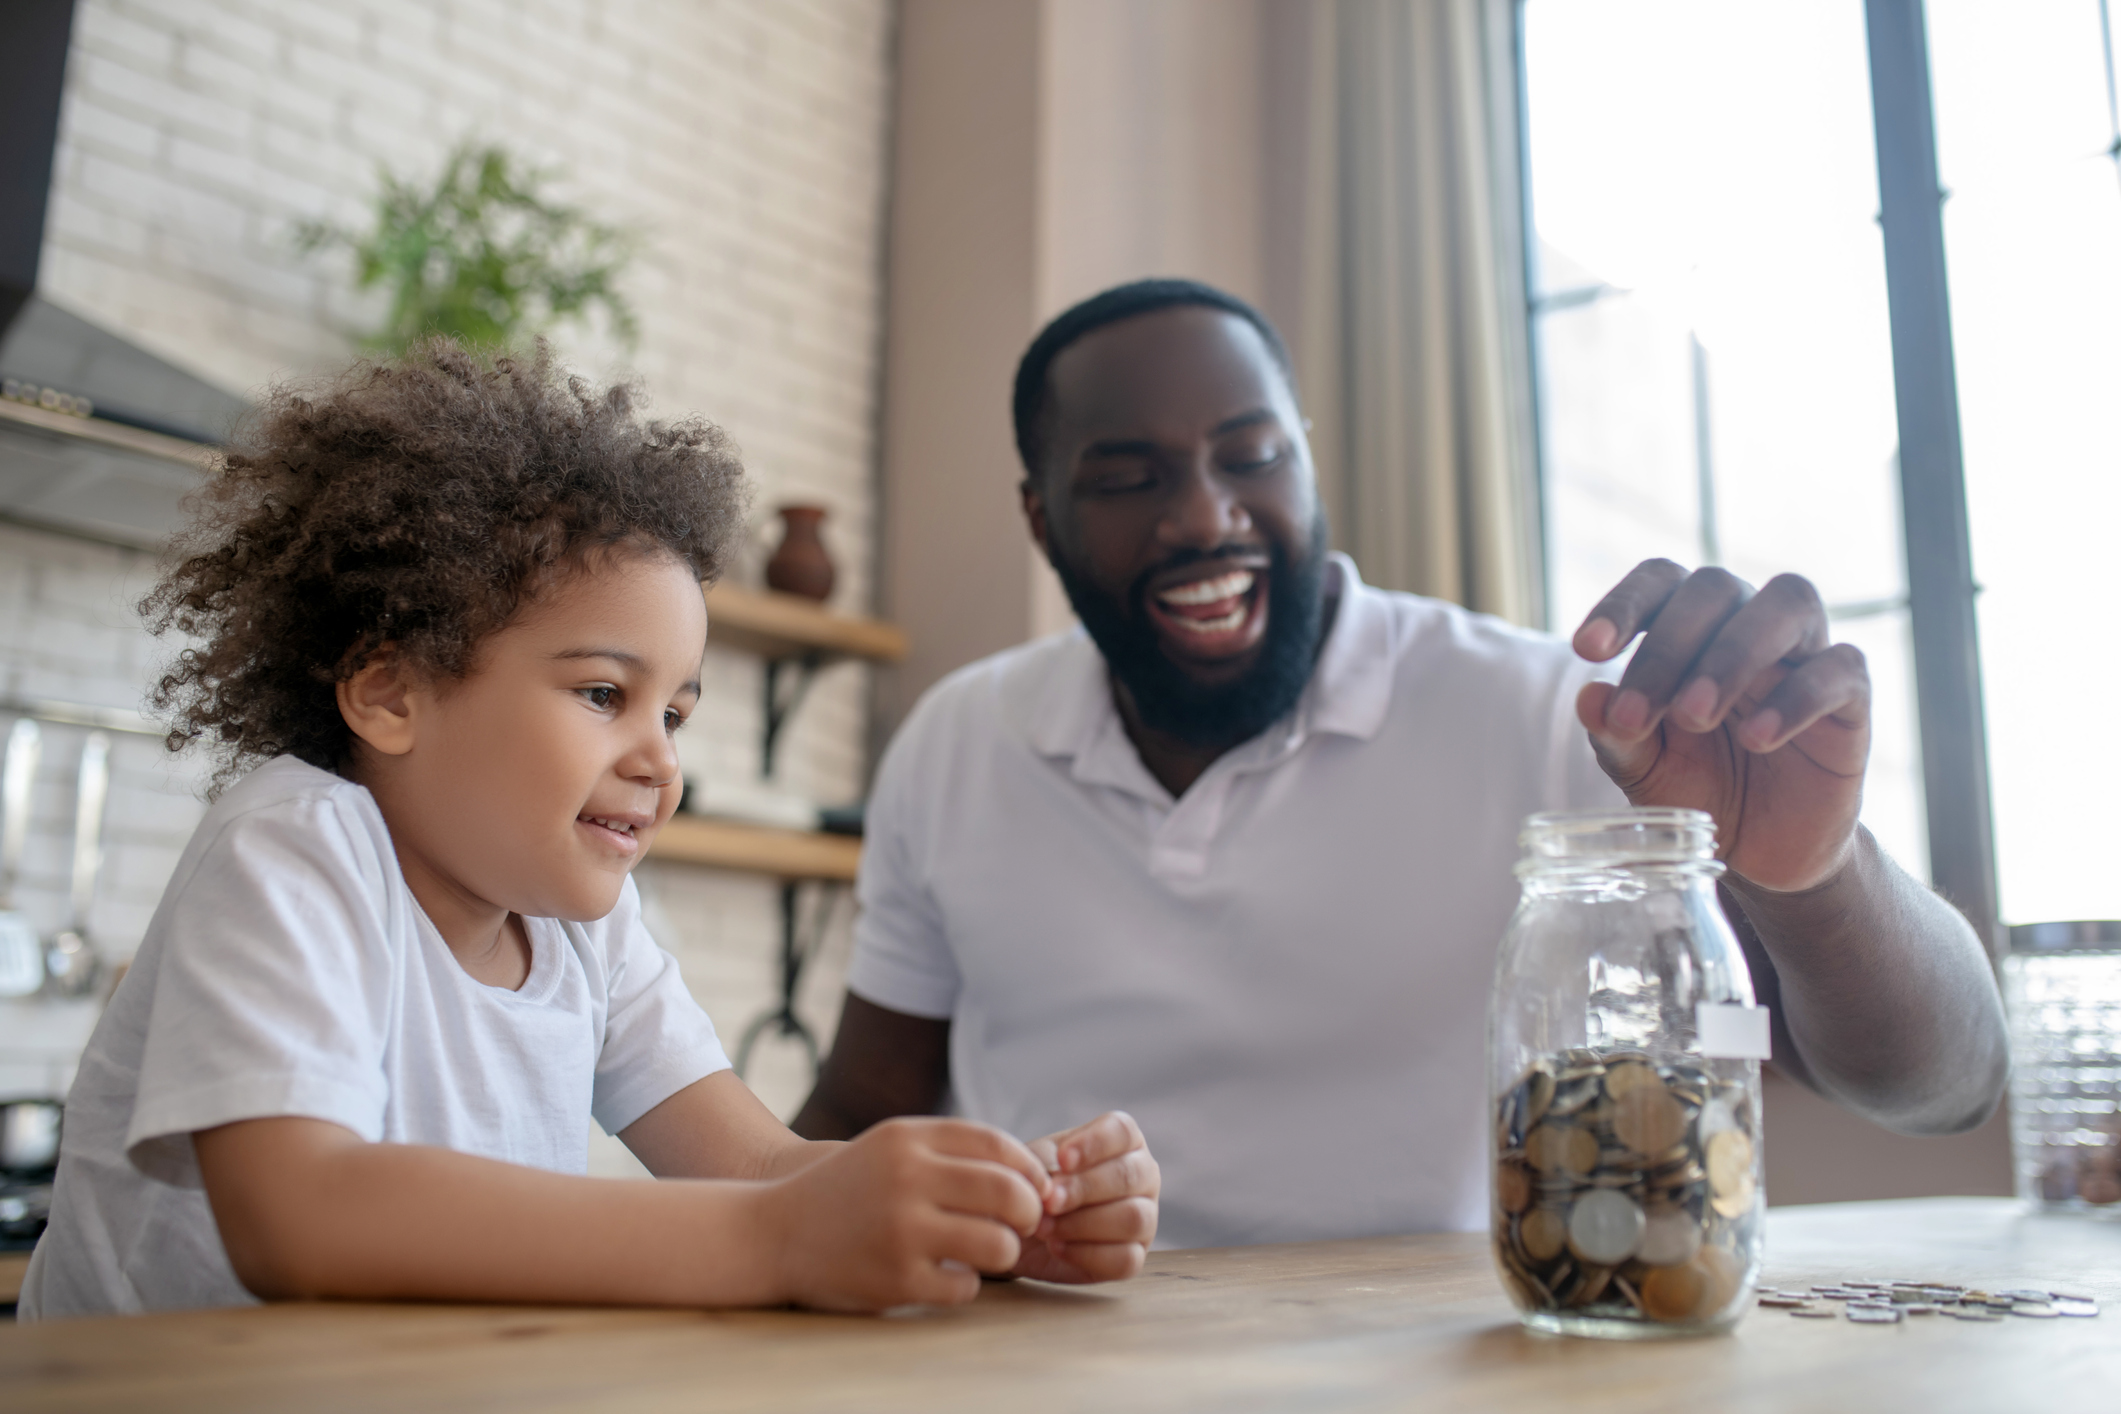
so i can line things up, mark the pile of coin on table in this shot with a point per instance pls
(1884, 1303)
(1626, 1188)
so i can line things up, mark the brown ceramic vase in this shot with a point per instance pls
(802, 565)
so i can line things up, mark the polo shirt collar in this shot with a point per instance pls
(1348, 695)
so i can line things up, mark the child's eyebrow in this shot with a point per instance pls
(619, 655)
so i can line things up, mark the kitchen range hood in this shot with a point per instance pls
(98, 437)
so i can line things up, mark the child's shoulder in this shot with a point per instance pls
(289, 807)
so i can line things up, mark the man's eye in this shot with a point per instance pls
(1120, 483)
(600, 697)
(1253, 459)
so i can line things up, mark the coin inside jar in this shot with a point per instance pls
(1730, 1166)
(1648, 1120)
(1669, 1239)
(1604, 1227)
(1543, 1234)
(1629, 1075)
(1513, 1186)
(1561, 1148)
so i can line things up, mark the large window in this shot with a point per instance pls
(1716, 358)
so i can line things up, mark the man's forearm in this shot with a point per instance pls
(1887, 1003)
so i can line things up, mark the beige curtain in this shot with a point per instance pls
(1412, 345)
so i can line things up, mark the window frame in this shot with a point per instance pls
(1950, 719)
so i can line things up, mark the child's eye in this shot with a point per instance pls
(600, 697)
(673, 719)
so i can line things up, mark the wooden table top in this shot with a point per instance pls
(1393, 1323)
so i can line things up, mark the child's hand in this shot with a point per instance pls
(1101, 1208)
(912, 1211)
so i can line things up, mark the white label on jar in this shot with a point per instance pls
(1728, 1031)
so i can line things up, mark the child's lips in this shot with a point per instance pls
(621, 832)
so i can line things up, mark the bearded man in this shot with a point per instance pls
(1234, 857)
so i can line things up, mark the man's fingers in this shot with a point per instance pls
(1106, 1137)
(1625, 761)
(1784, 623)
(1626, 608)
(1835, 683)
(1132, 1174)
(1696, 611)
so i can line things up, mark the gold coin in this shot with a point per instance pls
(1693, 1291)
(1561, 1148)
(1730, 1156)
(1629, 1075)
(1648, 1120)
(1539, 1097)
(1672, 1293)
(1736, 1203)
(1513, 1186)
(1543, 1234)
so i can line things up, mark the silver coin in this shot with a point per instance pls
(1865, 1315)
(1974, 1313)
(1813, 1313)
(1605, 1226)
(2025, 1293)
(2071, 1296)
(2038, 1310)
(1671, 1238)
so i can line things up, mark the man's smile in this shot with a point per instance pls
(1211, 614)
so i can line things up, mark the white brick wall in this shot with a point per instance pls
(745, 140)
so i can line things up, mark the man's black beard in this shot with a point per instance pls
(1169, 701)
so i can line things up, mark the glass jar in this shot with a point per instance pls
(2062, 987)
(1624, 1062)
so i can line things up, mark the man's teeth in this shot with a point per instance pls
(1207, 591)
(1222, 623)
(620, 825)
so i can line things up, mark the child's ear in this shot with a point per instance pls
(377, 703)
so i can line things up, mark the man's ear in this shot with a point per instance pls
(1034, 502)
(377, 702)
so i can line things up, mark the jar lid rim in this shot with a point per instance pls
(2082, 935)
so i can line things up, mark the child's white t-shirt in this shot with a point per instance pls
(289, 971)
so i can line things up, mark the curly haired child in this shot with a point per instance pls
(453, 607)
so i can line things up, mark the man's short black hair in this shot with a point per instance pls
(1028, 406)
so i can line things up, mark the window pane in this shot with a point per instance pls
(2033, 244)
(1715, 355)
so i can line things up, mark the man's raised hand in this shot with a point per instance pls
(1101, 1207)
(1738, 704)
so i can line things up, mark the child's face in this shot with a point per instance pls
(535, 783)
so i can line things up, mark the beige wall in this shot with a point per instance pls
(1046, 149)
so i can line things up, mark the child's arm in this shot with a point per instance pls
(1100, 1207)
(910, 1212)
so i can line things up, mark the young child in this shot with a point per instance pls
(453, 606)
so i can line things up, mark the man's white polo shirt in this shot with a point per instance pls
(1283, 974)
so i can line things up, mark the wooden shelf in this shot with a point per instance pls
(783, 626)
(757, 849)
(196, 455)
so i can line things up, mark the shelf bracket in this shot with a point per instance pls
(798, 946)
(782, 698)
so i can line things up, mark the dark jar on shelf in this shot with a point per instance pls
(802, 566)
